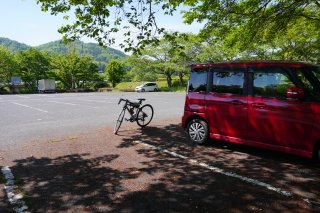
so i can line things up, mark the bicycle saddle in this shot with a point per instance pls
(141, 99)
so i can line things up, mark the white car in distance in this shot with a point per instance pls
(147, 87)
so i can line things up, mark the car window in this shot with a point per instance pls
(271, 83)
(198, 80)
(310, 81)
(316, 72)
(228, 82)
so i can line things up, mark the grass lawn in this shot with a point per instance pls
(162, 85)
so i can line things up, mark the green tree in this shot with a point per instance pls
(301, 42)
(141, 68)
(75, 71)
(88, 72)
(115, 71)
(161, 58)
(34, 65)
(8, 66)
(247, 19)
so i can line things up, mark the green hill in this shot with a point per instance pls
(89, 49)
(14, 46)
(101, 55)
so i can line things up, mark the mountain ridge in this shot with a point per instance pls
(101, 55)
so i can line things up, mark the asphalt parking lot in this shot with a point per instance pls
(65, 158)
(43, 115)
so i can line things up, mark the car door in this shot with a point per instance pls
(273, 118)
(226, 104)
(147, 87)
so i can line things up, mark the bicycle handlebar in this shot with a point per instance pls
(126, 100)
(121, 99)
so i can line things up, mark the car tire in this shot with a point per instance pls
(198, 131)
(143, 90)
(155, 90)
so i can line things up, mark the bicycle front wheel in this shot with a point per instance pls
(145, 115)
(119, 121)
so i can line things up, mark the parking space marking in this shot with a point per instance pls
(57, 102)
(42, 95)
(105, 102)
(13, 193)
(41, 110)
(218, 170)
(20, 96)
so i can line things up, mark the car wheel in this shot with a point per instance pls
(198, 131)
(143, 90)
(155, 90)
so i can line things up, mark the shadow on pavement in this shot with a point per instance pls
(296, 174)
(81, 183)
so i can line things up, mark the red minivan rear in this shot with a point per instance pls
(266, 104)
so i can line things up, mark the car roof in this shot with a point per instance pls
(260, 63)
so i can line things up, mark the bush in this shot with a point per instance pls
(101, 84)
(4, 90)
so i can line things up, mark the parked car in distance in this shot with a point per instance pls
(147, 87)
(266, 104)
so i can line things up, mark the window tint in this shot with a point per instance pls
(310, 82)
(271, 83)
(316, 72)
(198, 80)
(228, 82)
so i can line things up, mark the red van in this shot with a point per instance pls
(267, 104)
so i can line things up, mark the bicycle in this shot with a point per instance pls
(141, 114)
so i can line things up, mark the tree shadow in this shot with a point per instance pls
(293, 173)
(159, 182)
(73, 180)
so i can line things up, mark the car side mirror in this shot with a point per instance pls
(295, 93)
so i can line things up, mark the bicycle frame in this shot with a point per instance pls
(136, 112)
(133, 110)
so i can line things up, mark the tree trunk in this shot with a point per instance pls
(181, 78)
(169, 81)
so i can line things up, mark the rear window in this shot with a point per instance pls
(198, 80)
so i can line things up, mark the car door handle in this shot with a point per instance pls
(259, 105)
(236, 102)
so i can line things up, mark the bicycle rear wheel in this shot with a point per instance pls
(145, 115)
(119, 121)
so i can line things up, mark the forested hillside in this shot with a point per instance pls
(89, 49)
(101, 55)
(14, 46)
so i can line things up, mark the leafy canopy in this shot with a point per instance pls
(245, 20)
(115, 71)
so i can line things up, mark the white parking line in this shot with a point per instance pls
(13, 193)
(105, 102)
(220, 171)
(42, 95)
(30, 107)
(57, 102)
(20, 96)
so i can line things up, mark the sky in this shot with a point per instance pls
(23, 21)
